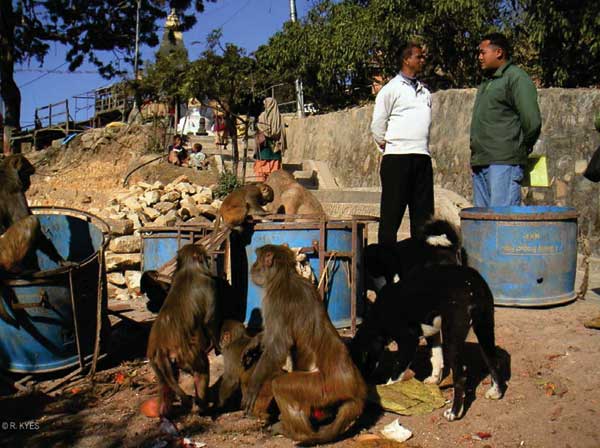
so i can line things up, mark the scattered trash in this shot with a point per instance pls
(481, 436)
(150, 408)
(75, 390)
(367, 437)
(552, 388)
(395, 431)
(119, 377)
(167, 427)
(188, 443)
(410, 397)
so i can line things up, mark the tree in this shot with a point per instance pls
(339, 46)
(565, 38)
(86, 27)
(228, 76)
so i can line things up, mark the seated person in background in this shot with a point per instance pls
(177, 153)
(196, 158)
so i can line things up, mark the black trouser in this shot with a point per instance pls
(405, 180)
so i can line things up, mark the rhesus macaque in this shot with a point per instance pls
(245, 201)
(19, 230)
(291, 198)
(325, 381)
(240, 354)
(185, 330)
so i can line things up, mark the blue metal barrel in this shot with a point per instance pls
(52, 313)
(527, 254)
(338, 238)
(160, 244)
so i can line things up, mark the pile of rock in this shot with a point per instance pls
(149, 205)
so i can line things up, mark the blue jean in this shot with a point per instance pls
(497, 185)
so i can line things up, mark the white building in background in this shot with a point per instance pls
(198, 120)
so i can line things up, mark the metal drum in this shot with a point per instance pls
(160, 245)
(334, 250)
(528, 255)
(53, 316)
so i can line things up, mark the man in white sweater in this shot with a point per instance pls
(400, 127)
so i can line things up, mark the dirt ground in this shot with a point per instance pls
(553, 396)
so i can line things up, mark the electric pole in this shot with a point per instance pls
(299, 92)
(137, 39)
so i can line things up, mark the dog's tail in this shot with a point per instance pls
(439, 232)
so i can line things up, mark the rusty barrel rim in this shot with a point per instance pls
(45, 276)
(520, 213)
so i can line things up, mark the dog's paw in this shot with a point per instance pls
(449, 415)
(433, 379)
(494, 392)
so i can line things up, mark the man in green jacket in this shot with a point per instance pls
(505, 125)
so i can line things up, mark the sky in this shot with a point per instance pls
(246, 23)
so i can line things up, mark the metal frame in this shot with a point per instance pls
(47, 277)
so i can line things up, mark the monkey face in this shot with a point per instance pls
(267, 194)
(272, 261)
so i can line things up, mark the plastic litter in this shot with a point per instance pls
(395, 431)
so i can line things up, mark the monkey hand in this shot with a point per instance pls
(249, 399)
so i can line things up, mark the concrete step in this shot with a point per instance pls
(349, 196)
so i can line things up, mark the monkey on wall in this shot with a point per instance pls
(20, 231)
(186, 328)
(291, 198)
(245, 201)
(324, 381)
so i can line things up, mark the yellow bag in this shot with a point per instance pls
(537, 172)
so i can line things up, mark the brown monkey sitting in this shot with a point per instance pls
(325, 381)
(19, 230)
(240, 354)
(185, 330)
(245, 201)
(290, 197)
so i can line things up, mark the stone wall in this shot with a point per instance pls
(568, 139)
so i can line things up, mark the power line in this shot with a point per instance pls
(45, 74)
(61, 72)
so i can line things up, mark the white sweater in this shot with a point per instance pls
(401, 117)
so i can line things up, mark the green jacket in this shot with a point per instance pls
(506, 118)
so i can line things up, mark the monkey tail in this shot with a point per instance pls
(164, 370)
(346, 415)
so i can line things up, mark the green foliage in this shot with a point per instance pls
(339, 46)
(226, 183)
(224, 74)
(565, 38)
(163, 79)
(86, 27)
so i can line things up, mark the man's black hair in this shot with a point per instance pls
(499, 40)
(407, 48)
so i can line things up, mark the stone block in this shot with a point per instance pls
(116, 278)
(165, 207)
(122, 262)
(199, 220)
(151, 213)
(208, 210)
(171, 196)
(119, 227)
(132, 279)
(133, 204)
(188, 207)
(125, 244)
(151, 197)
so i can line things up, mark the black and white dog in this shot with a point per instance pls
(437, 243)
(431, 298)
